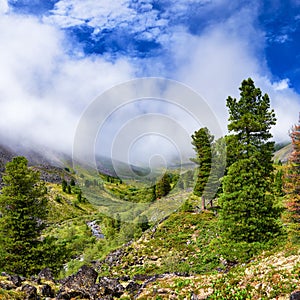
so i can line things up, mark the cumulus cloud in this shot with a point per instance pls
(3, 7)
(135, 18)
(222, 57)
(281, 85)
(43, 91)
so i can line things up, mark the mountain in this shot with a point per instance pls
(283, 154)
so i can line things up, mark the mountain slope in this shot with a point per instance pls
(283, 154)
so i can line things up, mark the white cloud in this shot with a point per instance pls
(215, 63)
(113, 15)
(4, 8)
(281, 85)
(285, 102)
(42, 90)
(100, 14)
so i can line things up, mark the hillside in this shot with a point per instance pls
(170, 261)
(283, 153)
(175, 256)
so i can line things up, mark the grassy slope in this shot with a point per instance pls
(283, 153)
(179, 244)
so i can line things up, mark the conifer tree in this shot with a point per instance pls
(202, 142)
(24, 208)
(64, 186)
(247, 203)
(163, 186)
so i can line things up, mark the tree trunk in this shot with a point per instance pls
(203, 203)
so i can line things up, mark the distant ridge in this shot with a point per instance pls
(283, 154)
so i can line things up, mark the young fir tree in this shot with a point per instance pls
(247, 204)
(163, 186)
(202, 142)
(23, 207)
(64, 185)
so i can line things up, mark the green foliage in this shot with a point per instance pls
(278, 183)
(179, 244)
(143, 222)
(227, 291)
(64, 185)
(163, 186)
(79, 197)
(202, 141)
(24, 208)
(187, 206)
(69, 191)
(248, 213)
(250, 121)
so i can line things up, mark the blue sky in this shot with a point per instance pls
(57, 56)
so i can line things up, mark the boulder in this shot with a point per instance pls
(111, 286)
(295, 295)
(79, 285)
(84, 278)
(46, 274)
(132, 287)
(16, 280)
(47, 291)
(30, 292)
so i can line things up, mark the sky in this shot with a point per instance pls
(58, 56)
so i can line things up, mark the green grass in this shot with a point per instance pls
(180, 244)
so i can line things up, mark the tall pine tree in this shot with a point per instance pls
(247, 205)
(202, 142)
(23, 207)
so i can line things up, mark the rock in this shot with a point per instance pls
(47, 291)
(182, 274)
(97, 291)
(112, 286)
(194, 297)
(295, 295)
(132, 287)
(85, 277)
(78, 285)
(68, 295)
(7, 286)
(124, 278)
(16, 280)
(46, 274)
(30, 292)
(35, 279)
(141, 277)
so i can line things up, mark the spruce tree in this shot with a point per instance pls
(202, 142)
(163, 186)
(247, 204)
(24, 208)
(64, 186)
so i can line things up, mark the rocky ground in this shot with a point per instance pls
(86, 284)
